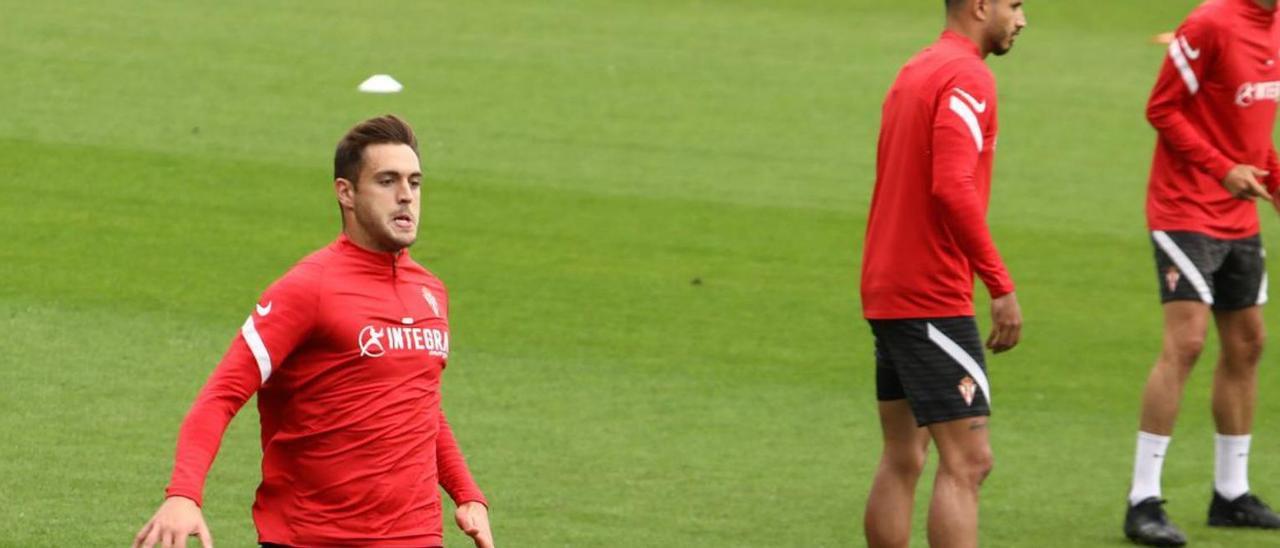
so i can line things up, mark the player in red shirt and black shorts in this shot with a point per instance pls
(345, 353)
(926, 237)
(1213, 108)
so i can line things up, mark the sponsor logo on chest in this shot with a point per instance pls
(1251, 92)
(377, 341)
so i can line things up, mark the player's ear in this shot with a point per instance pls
(346, 191)
(981, 9)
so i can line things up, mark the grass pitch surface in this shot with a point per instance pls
(650, 217)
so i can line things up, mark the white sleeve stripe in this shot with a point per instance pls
(1184, 68)
(250, 333)
(979, 106)
(1184, 264)
(961, 357)
(966, 114)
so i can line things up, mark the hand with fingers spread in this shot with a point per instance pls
(1244, 182)
(177, 519)
(473, 519)
(1006, 319)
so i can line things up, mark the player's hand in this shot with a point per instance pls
(1243, 182)
(473, 519)
(177, 519)
(1006, 318)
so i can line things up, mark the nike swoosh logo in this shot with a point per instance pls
(264, 310)
(1192, 54)
(978, 106)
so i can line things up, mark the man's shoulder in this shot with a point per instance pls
(308, 273)
(1210, 17)
(939, 69)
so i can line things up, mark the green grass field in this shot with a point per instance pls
(586, 161)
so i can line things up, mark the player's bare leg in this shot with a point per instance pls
(1235, 385)
(965, 460)
(1234, 392)
(887, 522)
(1185, 324)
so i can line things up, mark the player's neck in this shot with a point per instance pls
(972, 32)
(365, 241)
(1267, 4)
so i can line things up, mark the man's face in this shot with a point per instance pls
(385, 203)
(1006, 21)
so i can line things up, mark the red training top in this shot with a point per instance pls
(345, 352)
(927, 231)
(1214, 106)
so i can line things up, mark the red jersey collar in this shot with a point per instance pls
(961, 41)
(345, 246)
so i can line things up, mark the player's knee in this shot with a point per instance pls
(1183, 352)
(981, 466)
(1252, 342)
(907, 463)
(973, 467)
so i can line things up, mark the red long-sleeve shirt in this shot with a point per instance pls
(345, 352)
(1214, 106)
(927, 231)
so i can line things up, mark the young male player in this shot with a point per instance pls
(1213, 107)
(926, 237)
(345, 352)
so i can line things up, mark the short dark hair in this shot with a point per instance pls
(387, 128)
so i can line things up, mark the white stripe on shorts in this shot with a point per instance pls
(1184, 264)
(1262, 289)
(961, 357)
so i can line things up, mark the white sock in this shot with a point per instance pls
(1231, 465)
(1147, 463)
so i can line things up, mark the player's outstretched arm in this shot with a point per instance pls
(1006, 320)
(177, 519)
(473, 519)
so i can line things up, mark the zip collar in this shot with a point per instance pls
(380, 259)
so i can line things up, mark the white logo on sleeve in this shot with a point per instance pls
(431, 301)
(979, 106)
(964, 105)
(1192, 54)
(264, 310)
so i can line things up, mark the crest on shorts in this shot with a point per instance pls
(431, 301)
(1171, 277)
(968, 389)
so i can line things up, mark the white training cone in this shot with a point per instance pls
(380, 83)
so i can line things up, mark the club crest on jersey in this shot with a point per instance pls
(968, 389)
(374, 342)
(1251, 92)
(1171, 276)
(431, 301)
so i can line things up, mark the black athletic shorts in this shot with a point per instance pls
(1228, 274)
(936, 364)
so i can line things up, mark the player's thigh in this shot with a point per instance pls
(939, 365)
(899, 428)
(964, 444)
(1185, 265)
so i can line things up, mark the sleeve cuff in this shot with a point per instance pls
(184, 493)
(1220, 167)
(999, 290)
